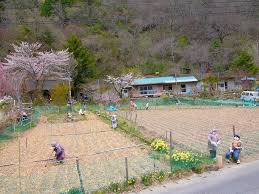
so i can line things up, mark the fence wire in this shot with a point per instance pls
(91, 168)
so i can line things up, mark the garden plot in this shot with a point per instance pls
(101, 152)
(190, 126)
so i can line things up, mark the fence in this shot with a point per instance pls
(22, 125)
(96, 157)
(190, 126)
(156, 102)
(89, 174)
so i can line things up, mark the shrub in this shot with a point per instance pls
(160, 146)
(199, 169)
(185, 160)
(165, 99)
(147, 179)
(132, 181)
(59, 94)
(160, 176)
(115, 187)
(39, 100)
(73, 191)
(183, 41)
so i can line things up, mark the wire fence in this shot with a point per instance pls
(20, 126)
(96, 157)
(188, 101)
(90, 174)
(190, 126)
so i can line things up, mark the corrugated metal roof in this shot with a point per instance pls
(164, 80)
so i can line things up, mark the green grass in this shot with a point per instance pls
(73, 191)
(123, 126)
(9, 132)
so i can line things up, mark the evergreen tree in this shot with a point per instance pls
(85, 67)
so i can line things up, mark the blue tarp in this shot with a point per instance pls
(112, 108)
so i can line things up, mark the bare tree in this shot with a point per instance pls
(199, 55)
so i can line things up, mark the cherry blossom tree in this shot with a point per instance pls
(28, 63)
(106, 97)
(5, 86)
(121, 82)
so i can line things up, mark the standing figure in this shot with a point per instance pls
(59, 152)
(213, 142)
(147, 106)
(234, 150)
(133, 105)
(81, 112)
(114, 122)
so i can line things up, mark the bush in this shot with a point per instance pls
(39, 100)
(59, 94)
(204, 94)
(124, 100)
(160, 146)
(165, 99)
(160, 176)
(199, 169)
(73, 191)
(185, 160)
(132, 181)
(183, 41)
(115, 187)
(147, 179)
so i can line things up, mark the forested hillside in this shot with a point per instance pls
(198, 37)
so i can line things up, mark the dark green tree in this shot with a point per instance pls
(2, 8)
(85, 66)
(56, 7)
(244, 65)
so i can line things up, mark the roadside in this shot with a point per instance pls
(232, 179)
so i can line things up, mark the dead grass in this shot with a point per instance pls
(86, 139)
(190, 125)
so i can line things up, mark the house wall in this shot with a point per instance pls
(190, 88)
(231, 85)
(135, 92)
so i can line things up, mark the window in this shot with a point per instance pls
(222, 85)
(167, 87)
(146, 90)
(183, 88)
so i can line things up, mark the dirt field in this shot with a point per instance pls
(190, 125)
(101, 151)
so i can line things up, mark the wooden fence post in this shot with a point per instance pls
(80, 176)
(171, 151)
(126, 169)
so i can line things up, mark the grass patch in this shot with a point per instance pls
(9, 132)
(123, 126)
